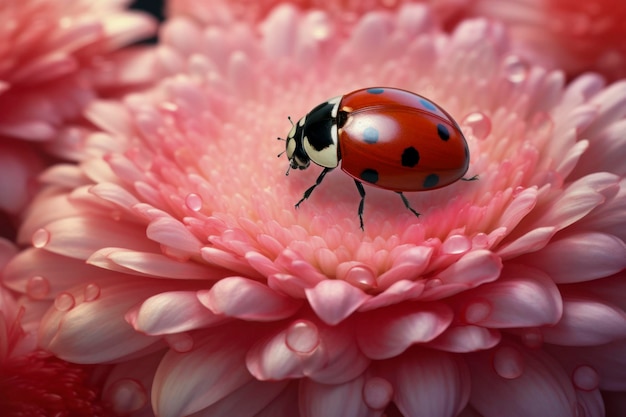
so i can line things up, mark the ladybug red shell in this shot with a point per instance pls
(385, 137)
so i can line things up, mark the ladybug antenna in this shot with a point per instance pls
(281, 154)
(288, 168)
(290, 121)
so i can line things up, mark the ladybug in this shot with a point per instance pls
(384, 137)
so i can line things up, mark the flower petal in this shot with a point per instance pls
(466, 339)
(171, 312)
(247, 300)
(587, 322)
(335, 300)
(429, 383)
(387, 333)
(344, 400)
(581, 257)
(188, 382)
(524, 382)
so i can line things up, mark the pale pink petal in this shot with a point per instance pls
(333, 301)
(171, 312)
(345, 400)
(522, 297)
(247, 300)
(431, 384)
(587, 322)
(466, 339)
(524, 382)
(259, 395)
(581, 257)
(396, 332)
(186, 383)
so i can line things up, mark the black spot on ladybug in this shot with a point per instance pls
(410, 157)
(375, 90)
(370, 135)
(431, 181)
(443, 132)
(369, 175)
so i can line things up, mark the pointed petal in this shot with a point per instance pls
(342, 400)
(462, 339)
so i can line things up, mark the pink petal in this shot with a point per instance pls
(345, 400)
(95, 331)
(529, 242)
(335, 300)
(188, 382)
(171, 312)
(581, 257)
(470, 338)
(247, 300)
(386, 334)
(79, 237)
(173, 234)
(327, 354)
(513, 382)
(396, 293)
(151, 264)
(429, 383)
(522, 297)
(41, 274)
(257, 394)
(587, 322)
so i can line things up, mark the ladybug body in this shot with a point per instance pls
(385, 137)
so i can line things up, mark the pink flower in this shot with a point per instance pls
(50, 53)
(576, 36)
(33, 382)
(176, 253)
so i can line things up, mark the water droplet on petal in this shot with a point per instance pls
(40, 238)
(477, 311)
(181, 342)
(532, 338)
(456, 245)
(91, 292)
(194, 202)
(64, 301)
(126, 396)
(360, 276)
(480, 241)
(302, 336)
(515, 69)
(508, 362)
(433, 283)
(479, 123)
(38, 288)
(586, 378)
(377, 393)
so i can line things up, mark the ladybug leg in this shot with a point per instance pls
(359, 187)
(474, 178)
(406, 204)
(318, 181)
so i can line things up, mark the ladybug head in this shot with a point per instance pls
(298, 158)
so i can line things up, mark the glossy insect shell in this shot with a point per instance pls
(398, 140)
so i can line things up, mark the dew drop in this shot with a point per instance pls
(479, 123)
(359, 275)
(126, 396)
(532, 338)
(433, 283)
(515, 69)
(91, 292)
(64, 301)
(40, 238)
(508, 362)
(377, 393)
(302, 337)
(456, 245)
(586, 378)
(480, 241)
(38, 288)
(181, 342)
(517, 191)
(194, 202)
(477, 311)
